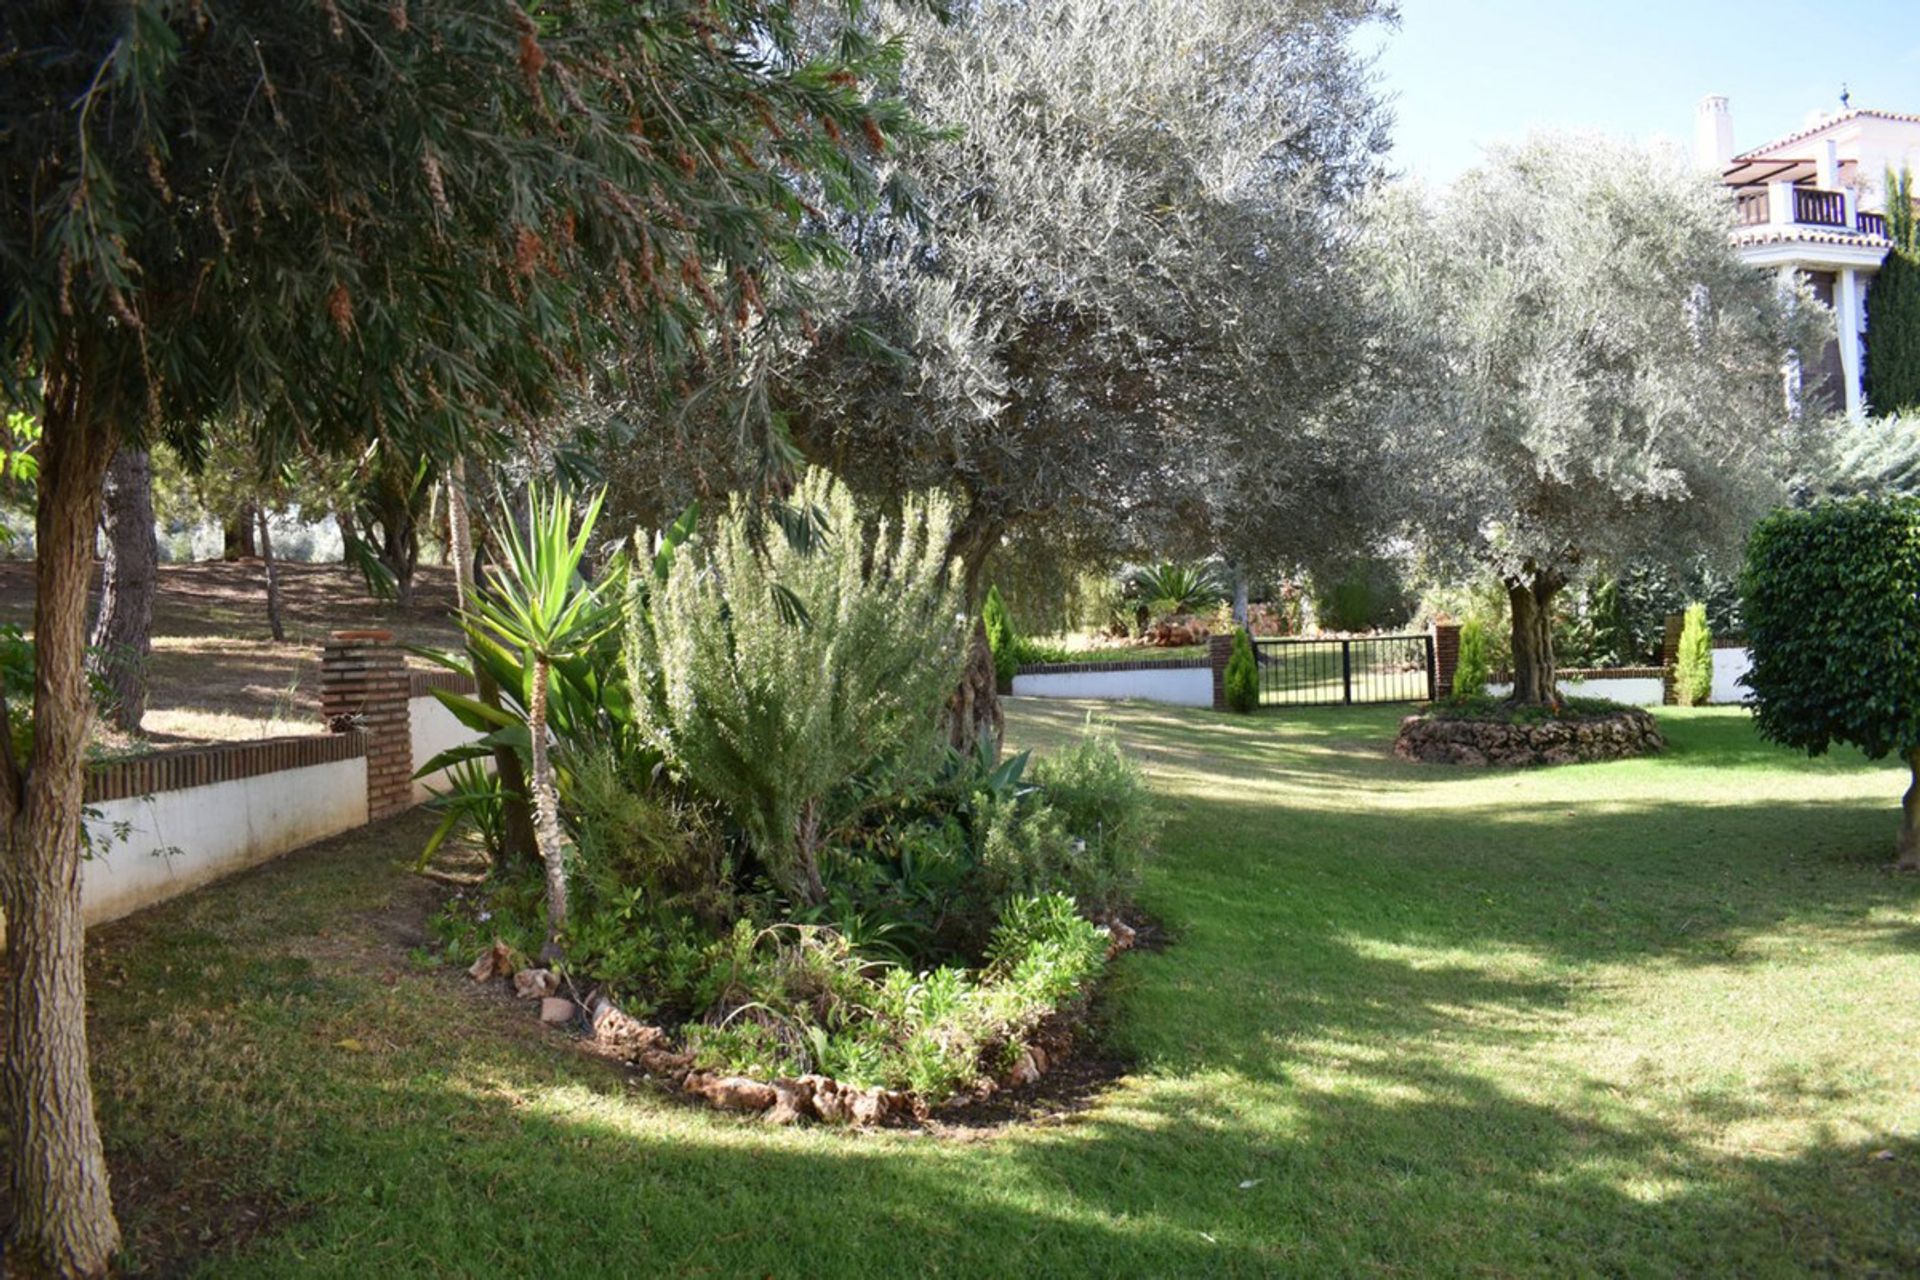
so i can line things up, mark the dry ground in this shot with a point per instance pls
(217, 674)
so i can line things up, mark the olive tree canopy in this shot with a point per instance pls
(1126, 304)
(1589, 372)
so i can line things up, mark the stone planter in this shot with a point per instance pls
(1617, 735)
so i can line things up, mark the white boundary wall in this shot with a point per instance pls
(180, 840)
(1728, 666)
(1180, 686)
(1632, 691)
(433, 729)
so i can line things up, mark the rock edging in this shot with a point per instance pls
(787, 1100)
(1617, 735)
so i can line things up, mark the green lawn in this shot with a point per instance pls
(1658, 1018)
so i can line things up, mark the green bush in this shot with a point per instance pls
(1831, 597)
(1242, 675)
(1832, 606)
(1693, 667)
(794, 1000)
(1001, 638)
(1100, 797)
(1474, 666)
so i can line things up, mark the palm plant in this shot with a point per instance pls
(539, 604)
(1175, 586)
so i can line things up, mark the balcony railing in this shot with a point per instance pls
(1815, 208)
(1750, 208)
(1801, 206)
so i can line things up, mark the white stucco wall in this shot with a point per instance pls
(434, 729)
(1728, 666)
(1632, 691)
(212, 831)
(1179, 686)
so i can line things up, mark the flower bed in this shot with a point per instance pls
(927, 1041)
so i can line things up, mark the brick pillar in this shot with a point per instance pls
(1219, 649)
(1446, 656)
(1670, 657)
(363, 685)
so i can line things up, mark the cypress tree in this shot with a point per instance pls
(1893, 309)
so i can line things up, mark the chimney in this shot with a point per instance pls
(1712, 134)
(1826, 166)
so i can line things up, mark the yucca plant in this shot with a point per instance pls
(539, 604)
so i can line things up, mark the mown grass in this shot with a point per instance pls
(1650, 1018)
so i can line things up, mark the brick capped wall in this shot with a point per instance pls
(179, 768)
(1219, 649)
(364, 686)
(1446, 657)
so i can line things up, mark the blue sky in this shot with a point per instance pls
(1465, 73)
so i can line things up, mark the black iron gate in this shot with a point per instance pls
(1310, 673)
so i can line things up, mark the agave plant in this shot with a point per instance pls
(1175, 586)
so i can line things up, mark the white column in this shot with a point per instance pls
(1846, 319)
(1780, 203)
(1790, 369)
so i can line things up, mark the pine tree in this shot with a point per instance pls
(327, 223)
(1893, 309)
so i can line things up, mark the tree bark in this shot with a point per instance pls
(63, 1211)
(1531, 601)
(122, 638)
(1909, 850)
(1239, 596)
(973, 712)
(273, 579)
(349, 535)
(546, 813)
(237, 537)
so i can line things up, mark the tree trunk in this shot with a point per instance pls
(63, 1212)
(1531, 599)
(122, 638)
(1909, 850)
(1239, 597)
(546, 813)
(273, 579)
(973, 712)
(349, 535)
(237, 537)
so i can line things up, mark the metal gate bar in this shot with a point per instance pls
(1356, 670)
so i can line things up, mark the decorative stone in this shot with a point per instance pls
(495, 961)
(792, 1102)
(731, 1093)
(531, 984)
(1024, 1070)
(1616, 735)
(554, 1009)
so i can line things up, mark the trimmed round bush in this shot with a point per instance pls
(1242, 675)
(1832, 608)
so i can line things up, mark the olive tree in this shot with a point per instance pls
(1125, 299)
(412, 220)
(1832, 603)
(1589, 372)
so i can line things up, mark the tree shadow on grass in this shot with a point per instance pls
(1317, 1095)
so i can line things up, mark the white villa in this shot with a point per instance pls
(1813, 203)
